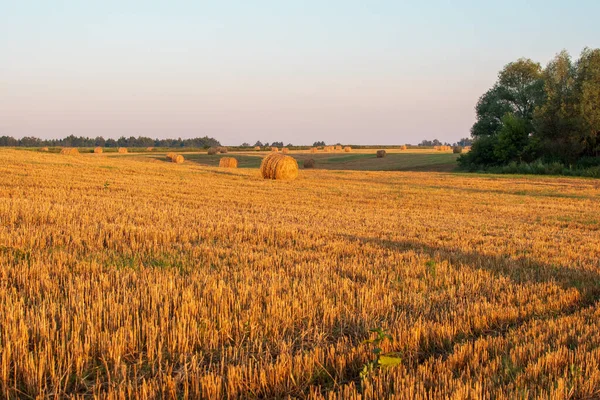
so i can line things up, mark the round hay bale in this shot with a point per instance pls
(403, 147)
(285, 150)
(313, 150)
(274, 149)
(149, 148)
(212, 151)
(338, 148)
(257, 148)
(170, 156)
(347, 149)
(381, 153)
(310, 163)
(279, 166)
(122, 150)
(44, 149)
(98, 150)
(457, 149)
(70, 151)
(228, 162)
(223, 150)
(327, 149)
(177, 159)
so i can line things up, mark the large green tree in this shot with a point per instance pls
(588, 88)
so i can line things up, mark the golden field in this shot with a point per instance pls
(128, 276)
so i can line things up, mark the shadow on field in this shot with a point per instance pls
(521, 271)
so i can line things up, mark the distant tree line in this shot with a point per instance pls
(80, 141)
(542, 116)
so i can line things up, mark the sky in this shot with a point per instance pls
(348, 71)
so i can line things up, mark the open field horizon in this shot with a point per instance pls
(123, 275)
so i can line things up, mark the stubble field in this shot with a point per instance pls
(128, 276)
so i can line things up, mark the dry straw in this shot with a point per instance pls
(212, 151)
(279, 166)
(98, 150)
(381, 153)
(228, 162)
(177, 159)
(70, 151)
(122, 150)
(310, 163)
(223, 150)
(347, 149)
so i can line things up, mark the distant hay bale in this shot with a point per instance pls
(403, 147)
(122, 150)
(327, 149)
(177, 159)
(228, 162)
(338, 148)
(44, 149)
(457, 149)
(212, 151)
(347, 149)
(98, 150)
(467, 148)
(279, 166)
(149, 148)
(70, 151)
(310, 163)
(170, 156)
(313, 150)
(257, 148)
(274, 149)
(381, 153)
(223, 150)
(285, 150)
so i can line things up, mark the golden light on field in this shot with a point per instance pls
(132, 277)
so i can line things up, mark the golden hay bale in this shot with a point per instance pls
(403, 147)
(338, 148)
(44, 149)
(285, 150)
(149, 148)
(310, 163)
(347, 149)
(70, 151)
(223, 150)
(98, 150)
(274, 149)
(257, 148)
(457, 149)
(212, 151)
(228, 162)
(467, 148)
(122, 150)
(327, 149)
(171, 155)
(381, 153)
(313, 150)
(177, 159)
(279, 166)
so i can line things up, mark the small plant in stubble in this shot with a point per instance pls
(106, 185)
(381, 360)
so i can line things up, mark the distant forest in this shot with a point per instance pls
(79, 141)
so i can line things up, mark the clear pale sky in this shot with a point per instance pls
(357, 72)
